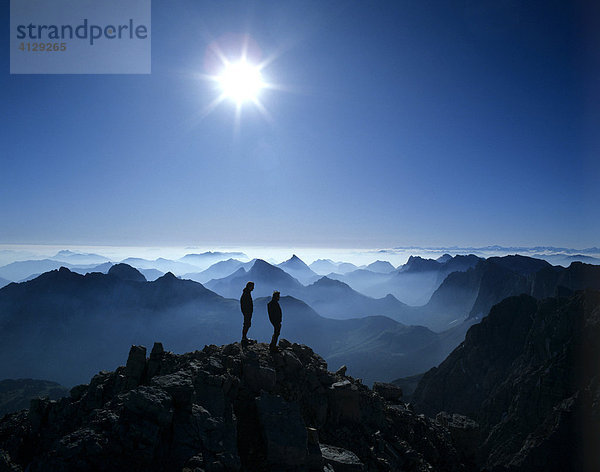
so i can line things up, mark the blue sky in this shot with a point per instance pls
(397, 123)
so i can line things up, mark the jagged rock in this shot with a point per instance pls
(341, 371)
(136, 364)
(341, 460)
(526, 374)
(314, 460)
(178, 385)
(157, 350)
(150, 402)
(389, 392)
(6, 463)
(465, 433)
(284, 432)
(259, 377)
(227, 408)
(344, 398)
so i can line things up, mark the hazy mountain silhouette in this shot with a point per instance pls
(327, 266)
(565, 259)
(496, 285)
(366, 281)
(299, 270)
(206, 259)
(3, 282)
(161, 264)
(266, 278)
(471, 294)
(444, 258)
(104, 268)
(16, 394)
(461, 296)
(336, 299)
(330, 298)
(126, 272)
(383, 267)
(151, 274)
(413, 283)
(64, 326)
(16, 271)
(218, 270)
(78, 258)
(25, 270)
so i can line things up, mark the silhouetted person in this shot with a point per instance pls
(274, 311)
(247, 307)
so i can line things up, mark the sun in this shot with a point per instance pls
(241, 82)
(238, 72)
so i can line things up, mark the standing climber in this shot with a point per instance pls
(274, 311)
(247, 308)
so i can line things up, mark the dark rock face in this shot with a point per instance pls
(389, 392)
(529, 375)
(226, 408)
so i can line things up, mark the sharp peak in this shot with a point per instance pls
(167, 276)
(261, 262)
(329, 280)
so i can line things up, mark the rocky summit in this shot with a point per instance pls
(228, 408)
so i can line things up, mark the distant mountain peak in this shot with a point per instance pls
(444, 258)
(168, 276)
(328, 282)
(65, 252)
(381, 266)
(260, 263)
(126, 272)
(294, 262)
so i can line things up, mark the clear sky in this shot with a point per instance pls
(393, 123)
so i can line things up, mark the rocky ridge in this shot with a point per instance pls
(529, 375)
(229, 408)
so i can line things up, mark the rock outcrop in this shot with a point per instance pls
(227, 408)
(529, 377)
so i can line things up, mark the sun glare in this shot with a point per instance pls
(238, 77)
(241, 82)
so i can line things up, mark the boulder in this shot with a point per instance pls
(387, 391)
(341, 460)
(283, 431)
(259, 377)
(178, 385)
(136, 365)
(344, 401)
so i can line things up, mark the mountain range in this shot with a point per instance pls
(64, 326)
